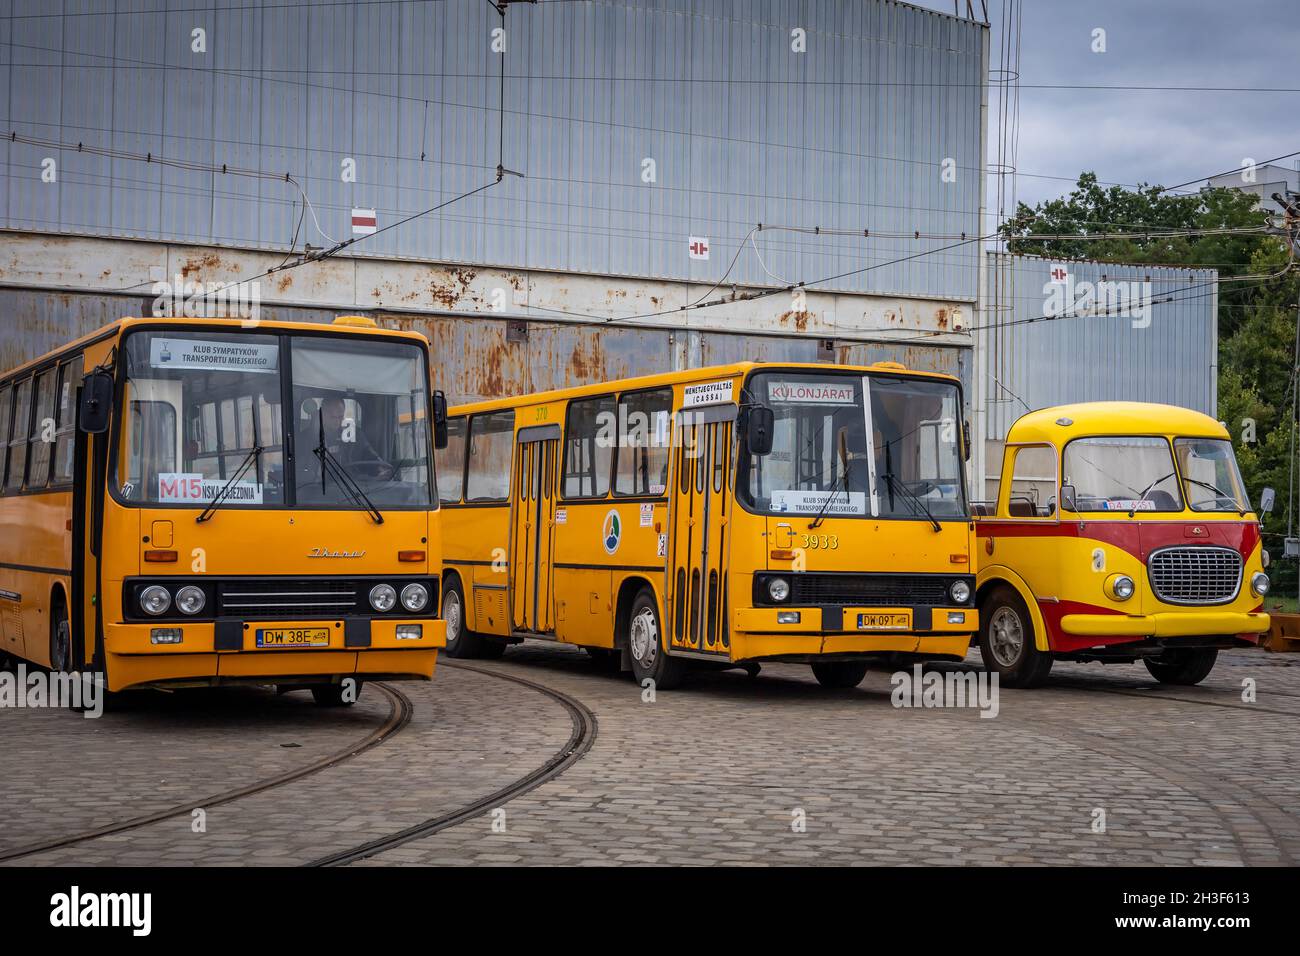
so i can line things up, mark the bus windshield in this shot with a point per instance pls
(1211, 479)
(1121, 473)
(822, 459)
(201, 406)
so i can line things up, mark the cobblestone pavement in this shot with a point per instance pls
(728, 769)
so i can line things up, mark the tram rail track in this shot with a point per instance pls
(581, 739)
(399, 715)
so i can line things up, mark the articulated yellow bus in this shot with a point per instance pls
(728, 515)
(198, 501)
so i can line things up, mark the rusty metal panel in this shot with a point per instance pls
(851, 135)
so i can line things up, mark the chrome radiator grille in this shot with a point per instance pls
(1195, 575)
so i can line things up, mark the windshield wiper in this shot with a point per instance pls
(821, 515)
(1147, 490)
(331, 465)
(913, 500)
(1218, 491)
(908, 495)
(219, 498)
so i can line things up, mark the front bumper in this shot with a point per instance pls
(1166, 624)
(133, 660)
(758, 635)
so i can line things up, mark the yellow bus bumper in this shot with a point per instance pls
(1166, 624)
(758, 634)
(134, 660)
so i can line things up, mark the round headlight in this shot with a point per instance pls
(383, 597)
(778, 589)
(155, 600)
(1122, 587)
(415, 597)
(1259, 583)
(959, 592)
(190, 600)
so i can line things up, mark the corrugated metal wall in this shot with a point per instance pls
(851, 134)
(1095, 357)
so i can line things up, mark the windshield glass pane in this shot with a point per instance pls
(195, 405)
(1122, 473)
(1211, 479)
(363, 403)
(820, 451)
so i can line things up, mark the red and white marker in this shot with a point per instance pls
(698, 247)
(363, 222)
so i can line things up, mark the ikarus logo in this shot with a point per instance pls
(611, 531)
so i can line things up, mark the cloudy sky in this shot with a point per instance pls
(1161, 136)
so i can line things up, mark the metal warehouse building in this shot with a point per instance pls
(209, 145)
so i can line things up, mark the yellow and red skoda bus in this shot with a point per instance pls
(1122, 532)
(725, 516)
(200, 501)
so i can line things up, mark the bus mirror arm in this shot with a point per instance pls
(439, 420)
(96, 403)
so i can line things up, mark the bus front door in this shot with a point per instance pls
(532, 603)
(698, 611)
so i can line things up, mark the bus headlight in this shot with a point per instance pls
(415, 597)
(1121, 587)
(190, 600)
(155, 600)
(1265, 557)
(1259, 583)
(383, 597)
(959, 592)
(778, 589)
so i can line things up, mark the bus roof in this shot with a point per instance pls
(1112, 418)
(680, 377)
(235, 325)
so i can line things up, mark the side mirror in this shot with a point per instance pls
(96, 405)
(1266, 500)
(758, 430)
(965, 438)
(439, 420)
(1067, 498)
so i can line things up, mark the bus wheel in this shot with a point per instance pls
(60, 639)
(332, 695)
(839, 674)
(1187, 666)
(1007, 641)
(645, 645)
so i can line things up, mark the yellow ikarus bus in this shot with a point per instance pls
(729, 515)
(192, 502)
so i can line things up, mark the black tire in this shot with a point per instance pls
(461, 641)
(839, 675)
(332, 695)
(1007, 640)
(645, 644)
(60, 638)
(1184, 667)
(604, 659)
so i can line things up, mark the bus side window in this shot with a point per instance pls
(18, 436)
(450, 462)
(6, 406)
(1033, 482)
(641, 455)
(69, 378)
(491, 440)
(42, 433)
(588, 448)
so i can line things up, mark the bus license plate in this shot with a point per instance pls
(294, 637)
(901, 621)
